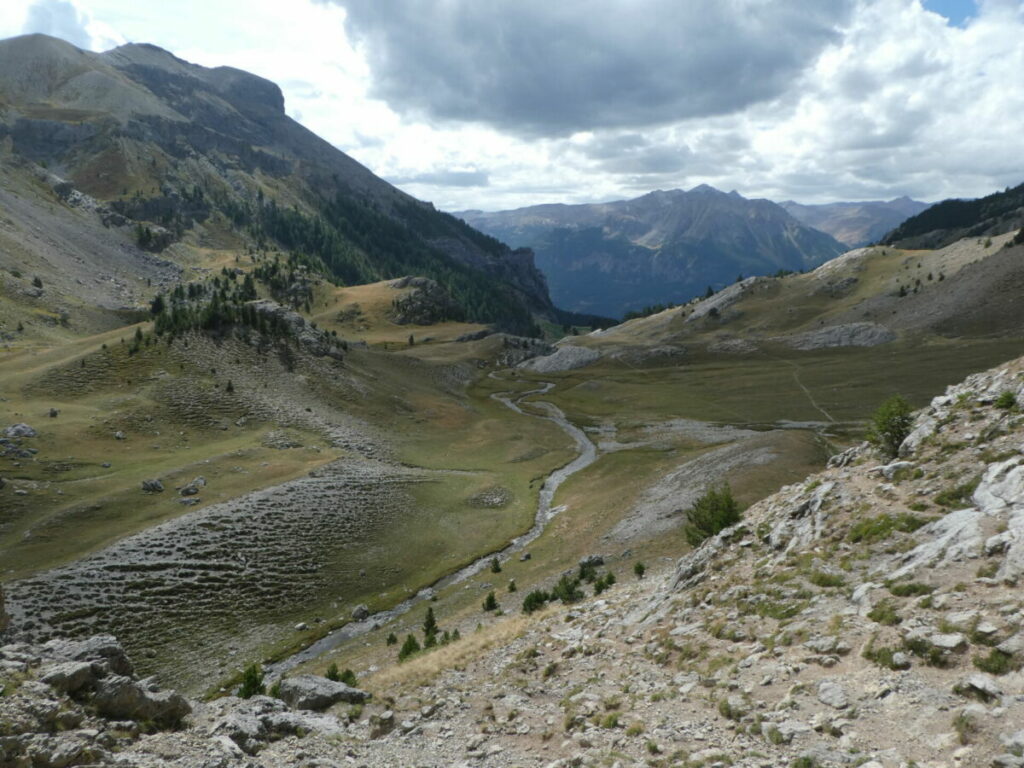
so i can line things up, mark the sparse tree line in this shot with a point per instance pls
(357, 243)
(224, 304)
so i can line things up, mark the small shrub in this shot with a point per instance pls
(1006, 400)
(392, 639)
(726, 710)
(348, 677)
(252, 682)
(333, 674)
(995, 663)
(885, 613)
(890, 425)
(881, 527)
(965, 727)
(635, 729)
(495, 565)
(604, 583)
(611, 720)
(987, 571)
(711, 513)
(512, 586)
(490, 602)
(823, 579)
(910, 589)
(567, 590)
(639, 569)
(958, 497)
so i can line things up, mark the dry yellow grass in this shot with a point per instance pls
(424, 668)
(363, 313)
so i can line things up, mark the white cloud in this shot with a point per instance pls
(883, 99)
(58, 18)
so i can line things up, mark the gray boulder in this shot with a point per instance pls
(1013, 646)
(980, 685)
(318, 693)
(68, 676)
(121, 697)
(20, 430)
(194, 487)
(360, 612)
(251, 723)
(832, 694)
(949, 641)
(591, 561)
(102, 649)
(152, 486)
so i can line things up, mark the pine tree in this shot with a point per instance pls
(252, 682)
(409, 647)
(429, 623)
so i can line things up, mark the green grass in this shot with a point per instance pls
(958, 496)
(910, 589)
(881, 527)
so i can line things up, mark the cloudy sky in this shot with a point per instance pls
(506, 103)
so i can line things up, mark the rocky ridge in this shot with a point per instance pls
(867, 616)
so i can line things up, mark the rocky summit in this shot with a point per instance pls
(870, 615)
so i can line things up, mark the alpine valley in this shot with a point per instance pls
(298, 470)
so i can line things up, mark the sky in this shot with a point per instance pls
(506, 103)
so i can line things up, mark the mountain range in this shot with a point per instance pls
(170, 151)
(856, 224)
(662, 247)
(666, 247)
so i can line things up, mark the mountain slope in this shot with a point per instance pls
(191, 153)
(965, 293)
(867, 615)
(856, 224)
(950, 220)
(663, 247)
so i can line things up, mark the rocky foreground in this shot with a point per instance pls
(868, 616)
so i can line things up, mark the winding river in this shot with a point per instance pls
(545, 512)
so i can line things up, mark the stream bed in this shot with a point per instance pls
(544, 514)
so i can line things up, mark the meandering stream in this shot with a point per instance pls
(545, 512)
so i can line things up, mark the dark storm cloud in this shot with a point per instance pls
(541, 68)
(447, 179)
(631, 153)
(59, 19)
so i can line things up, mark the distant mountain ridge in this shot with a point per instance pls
(181, 148)
(662, 247)
(856, 224)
